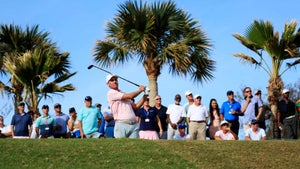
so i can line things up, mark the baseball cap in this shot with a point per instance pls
(88, 98)
(108, 77)
(188, 93)
(285, 91)
(45, 107)
(196, 96)
(229, 92)
(72, 109)
(254, 121)
(21, 104)
(181, 126)
(98, 104)
(57, 105)
(223, 123)
(257, 91)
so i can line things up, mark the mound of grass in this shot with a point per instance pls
(135, 153)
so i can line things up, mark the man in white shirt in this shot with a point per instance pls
(197, 118)
(255, 133)
(225, 133)
(175, 116)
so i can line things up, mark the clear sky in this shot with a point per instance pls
(76, 25)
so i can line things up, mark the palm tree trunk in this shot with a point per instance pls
(152, 84)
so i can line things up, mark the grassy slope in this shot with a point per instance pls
(134, 153)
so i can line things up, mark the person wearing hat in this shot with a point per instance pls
(45, 124)
(255, 132)
(102, 126)
(261, 120)
(162, 114)
(73, 124)
(230, 111)
(225, 133)
(287, 115)
(21, 123)
(61, 122)
(175, 116)
(123, 108)
(109, 122)
(182, 135)
(197, 118)
(89, 120)
(252, 108)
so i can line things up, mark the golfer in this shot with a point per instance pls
(123, 108)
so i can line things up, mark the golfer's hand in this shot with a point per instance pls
(142, 88)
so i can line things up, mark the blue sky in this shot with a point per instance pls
(76, 25)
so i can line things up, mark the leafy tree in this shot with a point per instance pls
(261, 38)
(29, 58)
(156, 35)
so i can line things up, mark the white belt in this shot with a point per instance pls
(292, 116)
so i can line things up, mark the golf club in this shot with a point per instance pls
(91, 66)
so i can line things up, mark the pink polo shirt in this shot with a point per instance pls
(121, 109)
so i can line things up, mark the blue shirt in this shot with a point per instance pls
(89, 117)
(21, 123)
(62, 120)
(226, 108)
(149, 124)
(45, 125)
(249, 114)
(102, 126)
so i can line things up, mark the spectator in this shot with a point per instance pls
(61, 120)
(148, 120)
(190, 99)
(197, 118)
(225, 133)
(162, 114)
(73, 124)
(89, 120)
(110, 122)
(175, 115)
(230, 111)
(21, 123)
(214, 117)
(34, 116)
(123, 108)
(261, 120)
(287, 115)
(45, 124)
(181, 135)
(255, 132)
(5, 131)
(102, 126)
(249, 105)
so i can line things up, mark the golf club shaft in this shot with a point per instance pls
(112, 74)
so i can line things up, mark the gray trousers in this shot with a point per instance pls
(290, 126)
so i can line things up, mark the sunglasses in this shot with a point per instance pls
(248, 91)
(113, 79)
(158, 99)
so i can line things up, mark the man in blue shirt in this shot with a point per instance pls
(61, 120)
(21, 123)
(230, 112)
(89, 119)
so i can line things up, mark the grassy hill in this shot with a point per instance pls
(135, 153)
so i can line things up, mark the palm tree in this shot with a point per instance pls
(260, 37)
(156, 35)
(28, 57)
(34, 69)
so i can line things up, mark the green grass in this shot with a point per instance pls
(135, 153)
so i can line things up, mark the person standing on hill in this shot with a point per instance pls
(102, 126)
(61, 120)
(123, 108)
(214, 115)
(190, 99)
(230, 111)
(162, 114)
(45, 124)
(175, 116)
(21, 123)
(261, 120)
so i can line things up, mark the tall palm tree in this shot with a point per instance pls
(32, 44)
(156, 35)
(260, 37)
(34, 70)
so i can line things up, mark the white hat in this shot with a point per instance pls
(188, 93)
(197, 95)
(257, 91)
(224, 122)
(285, 91)
(108, 77)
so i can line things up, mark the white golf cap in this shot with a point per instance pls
(108, 77)
(196, 95)
(224, 122)
(188, 93)
(285, 91)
